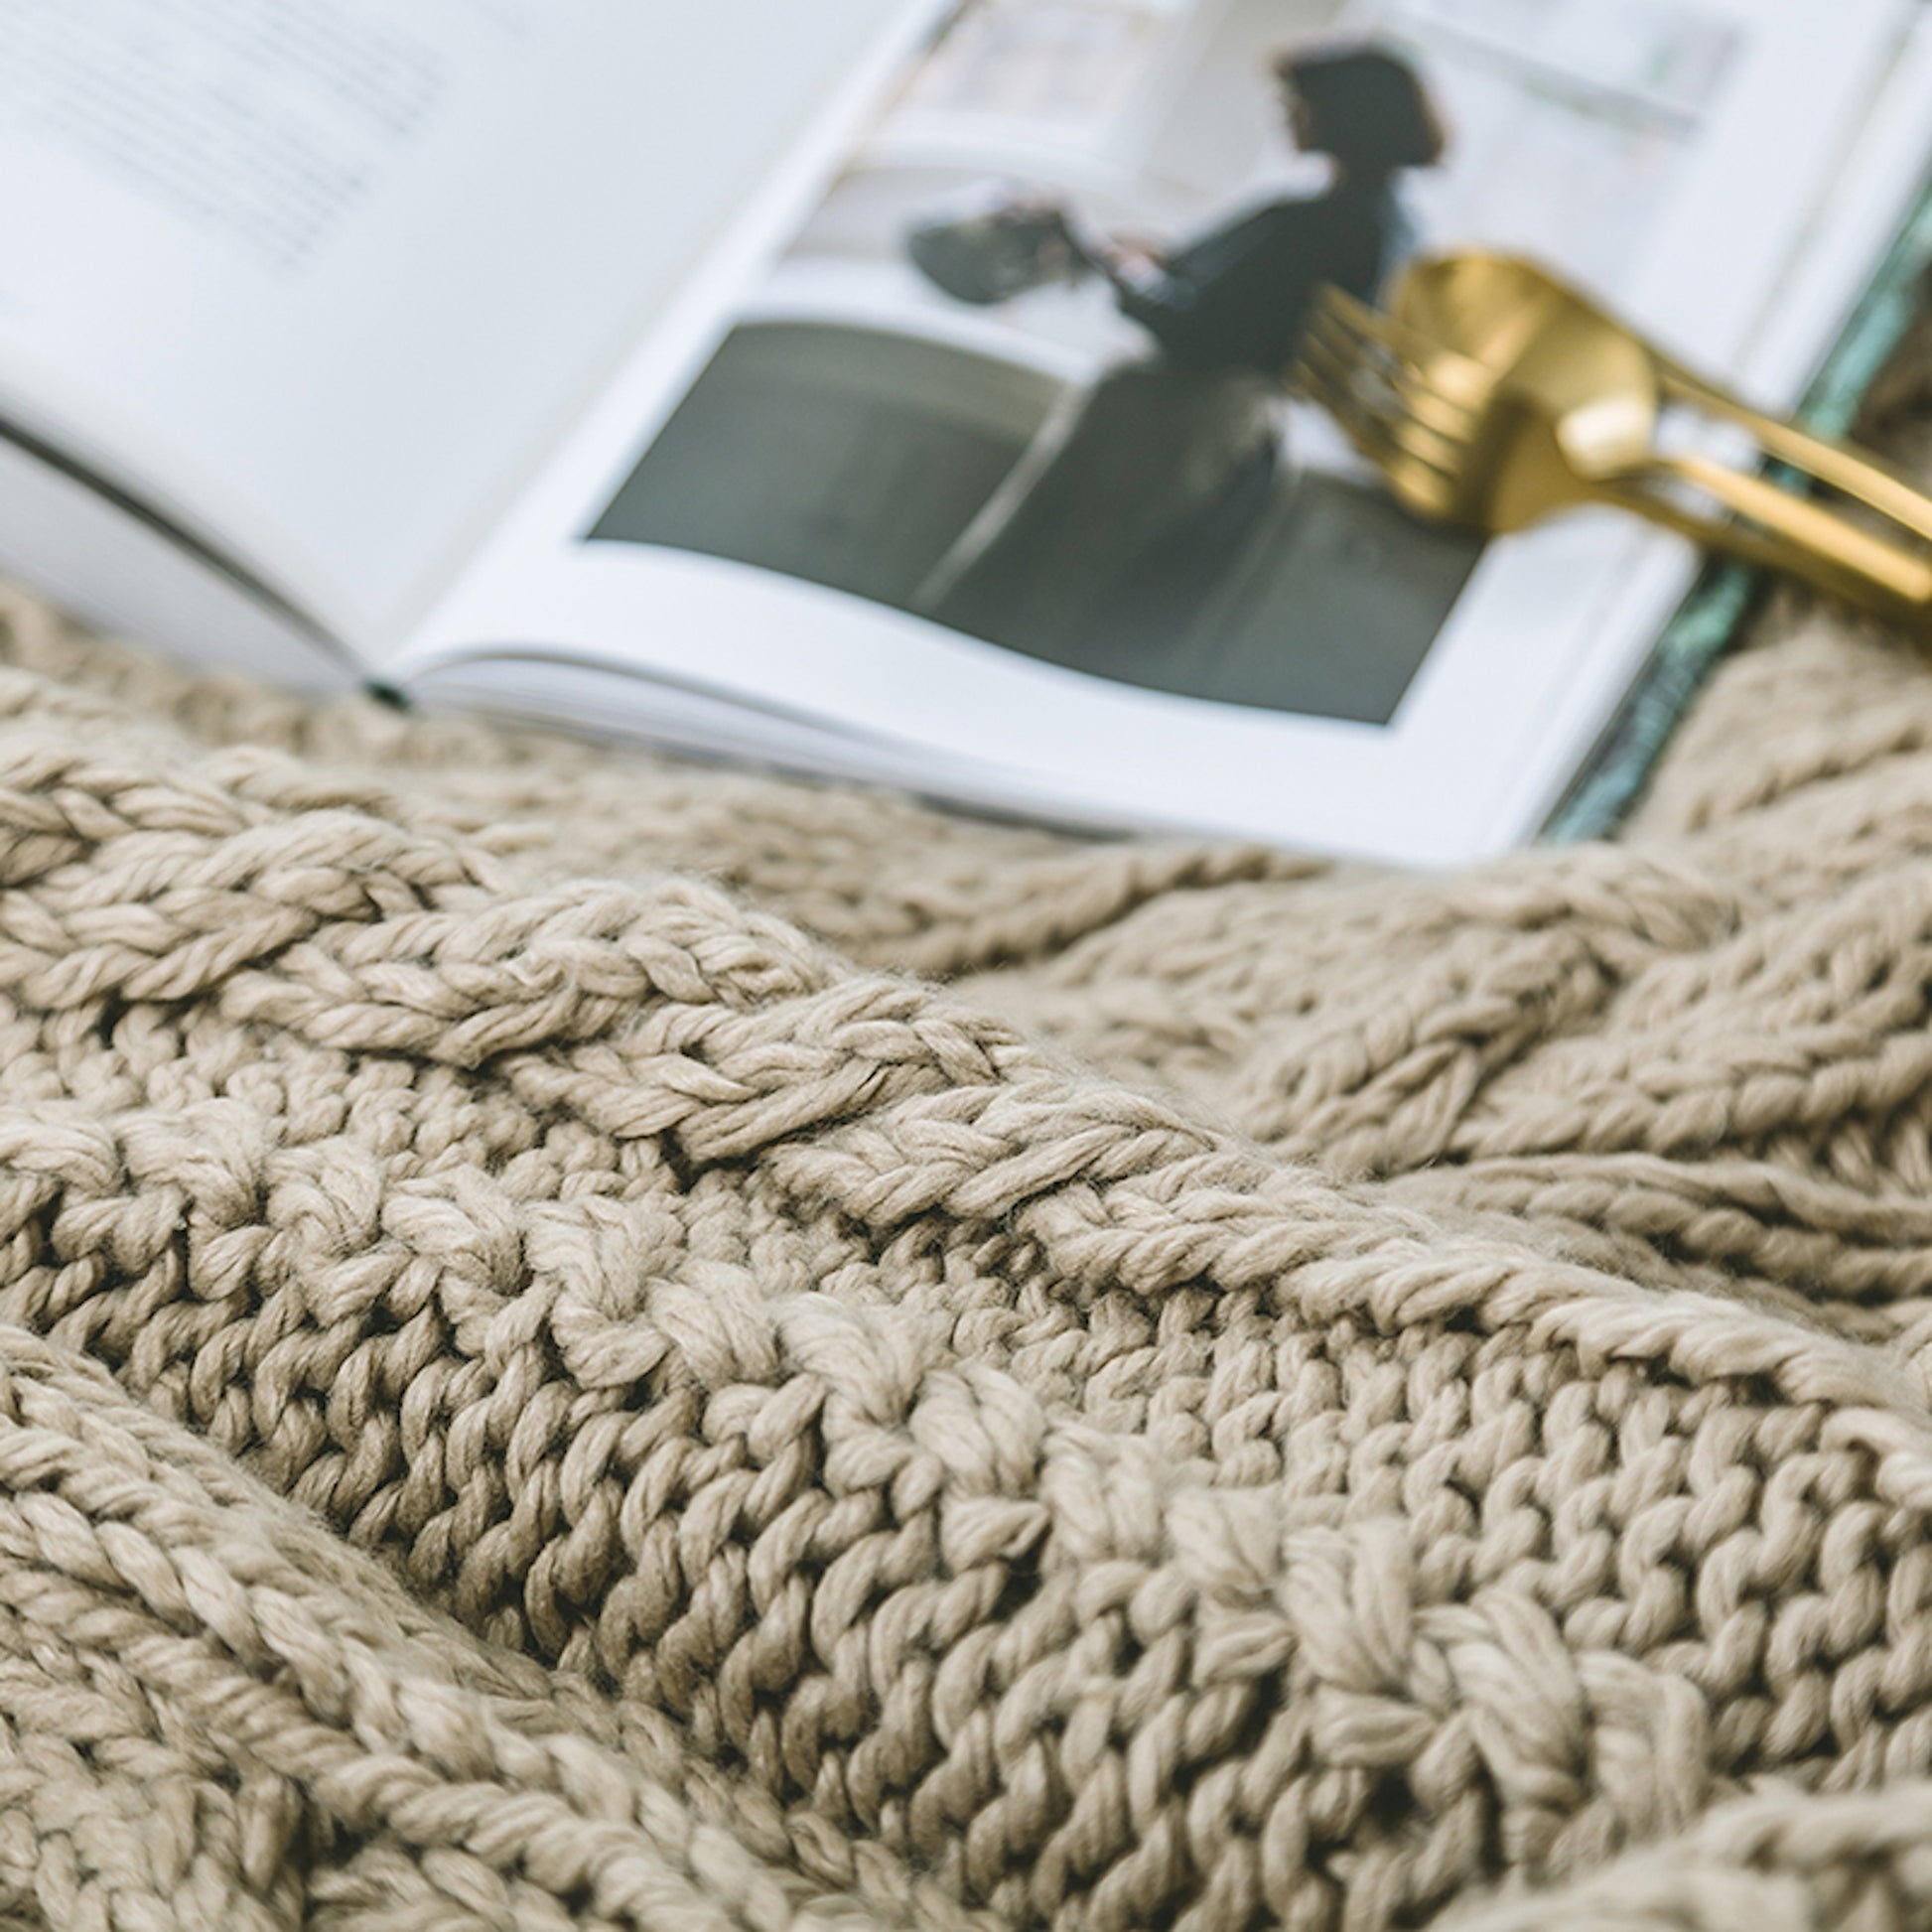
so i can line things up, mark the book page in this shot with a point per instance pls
(939, 470)
(320, 277)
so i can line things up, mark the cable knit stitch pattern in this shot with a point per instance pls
(588, 1343)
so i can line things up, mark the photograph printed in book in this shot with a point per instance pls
(1024, 370)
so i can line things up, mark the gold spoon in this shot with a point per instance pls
(1493, 394)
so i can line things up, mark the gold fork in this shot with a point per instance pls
(1492, 396)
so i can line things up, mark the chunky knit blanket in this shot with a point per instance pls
(592, 1343)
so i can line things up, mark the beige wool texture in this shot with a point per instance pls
(592, 1343)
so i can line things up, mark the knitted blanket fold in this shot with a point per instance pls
(592, 1343)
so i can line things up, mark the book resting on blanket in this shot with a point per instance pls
(903, 390)
(595, 1341)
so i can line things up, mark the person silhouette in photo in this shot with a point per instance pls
(1131, 503)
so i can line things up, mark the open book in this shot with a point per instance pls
(895, 390)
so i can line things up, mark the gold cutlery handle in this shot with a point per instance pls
(1842, 467)
(1768, 523)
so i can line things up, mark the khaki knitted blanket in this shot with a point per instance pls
(592, 1343)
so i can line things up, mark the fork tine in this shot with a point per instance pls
(1327, 379)
(1321, 355)
(1419, 396)
(1335, 391)
(1418, 473)
(1415, 383)
(1378, 324)
(1449, 421)
(1457, 377)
